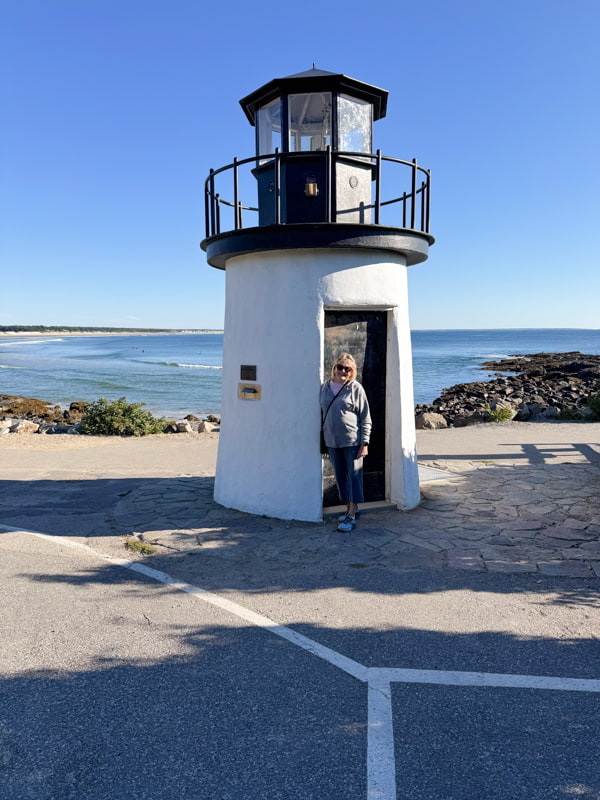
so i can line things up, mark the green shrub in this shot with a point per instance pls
(119, 418)
(498, 414)
(567, 413)
(143, 548)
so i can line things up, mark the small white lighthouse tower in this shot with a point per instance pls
(315, 233)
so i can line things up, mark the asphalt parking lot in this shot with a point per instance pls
(124, 682)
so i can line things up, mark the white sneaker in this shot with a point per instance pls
(343, 516)
(347, 524)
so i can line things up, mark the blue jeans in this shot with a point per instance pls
(348, 473)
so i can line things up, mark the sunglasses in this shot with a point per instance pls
(343, 368)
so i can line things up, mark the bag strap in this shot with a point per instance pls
(324, 417)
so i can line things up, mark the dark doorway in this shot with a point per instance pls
(364, 335)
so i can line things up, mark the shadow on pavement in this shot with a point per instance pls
(528, 453)
(235, 712)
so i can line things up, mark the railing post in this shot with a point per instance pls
(378, 188)
(277, 187)
(235, 193)
(427, 206)
(414, 194)
(239, 213)
(211, 182)
(218, 204)
(206, 210)
(422, 205)
(404, 196)
(329, 181)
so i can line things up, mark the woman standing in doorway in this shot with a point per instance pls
(346, 424)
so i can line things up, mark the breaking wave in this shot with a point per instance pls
(189, 366)
(18, 340)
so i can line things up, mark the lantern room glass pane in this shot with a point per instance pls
(309, 121)
(269, 127)
(354, 124)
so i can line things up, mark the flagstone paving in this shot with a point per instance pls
(477, 515)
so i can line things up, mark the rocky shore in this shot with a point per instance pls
(544, 387)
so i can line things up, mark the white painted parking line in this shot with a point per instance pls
(491, 679)
(337, 659)
(381, 762)
(381, 772)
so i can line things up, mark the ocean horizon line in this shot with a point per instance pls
(99, 331)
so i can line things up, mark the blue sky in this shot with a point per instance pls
(115, 110)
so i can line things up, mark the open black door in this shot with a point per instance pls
(364, 335)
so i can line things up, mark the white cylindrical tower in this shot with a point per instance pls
(314, 267)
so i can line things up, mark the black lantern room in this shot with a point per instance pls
(315, 176)
(314, 109)
(308, 115)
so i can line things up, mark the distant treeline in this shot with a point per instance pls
(82, 329)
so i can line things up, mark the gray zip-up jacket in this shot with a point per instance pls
(348, 422)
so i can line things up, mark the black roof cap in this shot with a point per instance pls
(315, 80)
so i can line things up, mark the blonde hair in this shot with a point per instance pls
(344, 357)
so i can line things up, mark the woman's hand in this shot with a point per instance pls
(364, 451)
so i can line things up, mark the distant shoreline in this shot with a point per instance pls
(29, 334)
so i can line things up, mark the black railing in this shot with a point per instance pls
(409, 210)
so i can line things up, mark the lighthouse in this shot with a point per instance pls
(315, 233)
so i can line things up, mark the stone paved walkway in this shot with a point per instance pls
(483, 515)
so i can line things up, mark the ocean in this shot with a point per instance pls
(174, 375)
